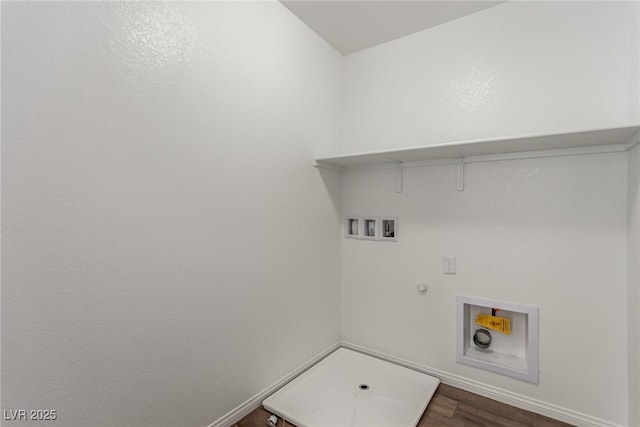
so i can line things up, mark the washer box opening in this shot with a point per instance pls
(514, 354)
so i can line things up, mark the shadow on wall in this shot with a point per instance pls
(333, 183)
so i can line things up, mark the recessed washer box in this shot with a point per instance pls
(514, 355)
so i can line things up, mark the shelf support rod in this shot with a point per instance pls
(398, 183)
(460, 184)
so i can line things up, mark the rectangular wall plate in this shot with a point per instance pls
(370, 228)
(353, 227)
(389, 228)
(449, 265)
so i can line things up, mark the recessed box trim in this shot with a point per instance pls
(353, 227)
(515, 355)
(389, 222)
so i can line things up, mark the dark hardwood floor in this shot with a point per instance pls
(451, 407)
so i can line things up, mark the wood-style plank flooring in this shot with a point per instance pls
(451, 407)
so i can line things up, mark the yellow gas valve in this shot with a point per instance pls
(496, 323)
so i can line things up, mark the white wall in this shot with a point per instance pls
(634, 284)
(633, 205)
(517, 68)
(162, 223)
(550, 233)
(168, 250)
(547, 232)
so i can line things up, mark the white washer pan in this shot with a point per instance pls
(331, 394)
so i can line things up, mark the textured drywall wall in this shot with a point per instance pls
(633, 204)
(547, 232)
(634, 92)
(634, 284)
(162, 226)
(513, 69)
(551, 233)
(167, 249)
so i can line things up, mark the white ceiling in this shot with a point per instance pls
(350, 26)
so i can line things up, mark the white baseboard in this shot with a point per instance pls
(241, 411)
(495, 393)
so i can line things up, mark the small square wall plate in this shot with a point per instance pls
(389, 228)
(350, 389)
(353, 227)
(370, 229)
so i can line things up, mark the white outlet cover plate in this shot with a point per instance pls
(449, 264)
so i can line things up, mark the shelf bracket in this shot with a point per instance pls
(460, 183)
(398, 183)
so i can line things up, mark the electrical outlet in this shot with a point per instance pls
(449, 264)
